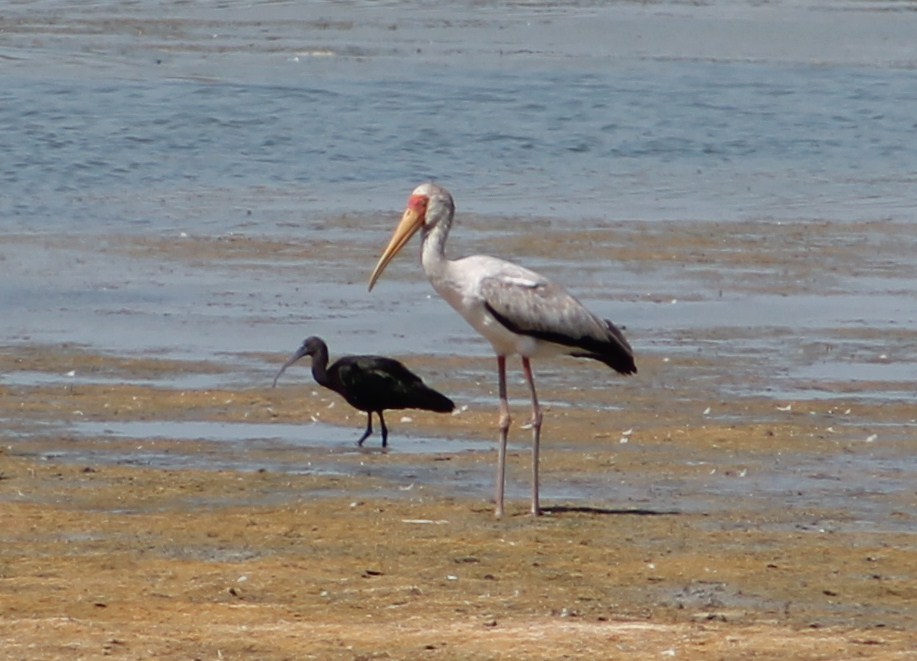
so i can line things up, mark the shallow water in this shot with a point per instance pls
(248, 116)
(310, 436)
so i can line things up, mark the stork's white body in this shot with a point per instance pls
(463, 283)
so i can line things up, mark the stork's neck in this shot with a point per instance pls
(433, 251)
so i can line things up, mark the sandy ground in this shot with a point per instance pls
(398, 555)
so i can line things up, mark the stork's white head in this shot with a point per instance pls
(434, 204)
(428, 206)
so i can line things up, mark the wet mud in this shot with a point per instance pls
(745, 529)
(101, 559)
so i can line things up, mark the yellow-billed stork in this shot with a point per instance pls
(517, 310)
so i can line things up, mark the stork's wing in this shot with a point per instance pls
(528, 304)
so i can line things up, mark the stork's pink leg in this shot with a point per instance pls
(504, 430)
(536, 434)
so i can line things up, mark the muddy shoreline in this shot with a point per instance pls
(738, 536)
(750, 493)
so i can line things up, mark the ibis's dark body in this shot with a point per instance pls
(372, 384)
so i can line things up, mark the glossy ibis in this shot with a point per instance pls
(372, 384)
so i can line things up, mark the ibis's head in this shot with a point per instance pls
(428, 206)
(312, 346)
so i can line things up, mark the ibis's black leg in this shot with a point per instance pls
(384, 430)
(369, 429)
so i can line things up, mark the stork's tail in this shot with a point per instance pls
(615, 352)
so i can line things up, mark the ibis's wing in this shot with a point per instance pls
(375, 382)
